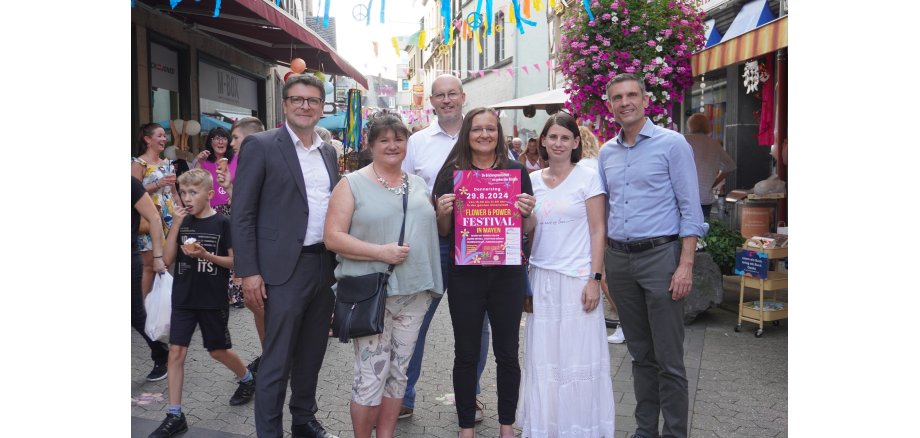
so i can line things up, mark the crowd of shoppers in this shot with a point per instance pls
(297, 226)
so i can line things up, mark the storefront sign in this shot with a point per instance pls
(221, 85)
(487, 225)
(164, 68)
(752, 263)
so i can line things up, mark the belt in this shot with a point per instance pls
(316, 248)
(641, 245)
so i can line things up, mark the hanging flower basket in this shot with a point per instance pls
(653, 39)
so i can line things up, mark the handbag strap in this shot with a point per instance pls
(402, 230)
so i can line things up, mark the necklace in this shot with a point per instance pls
(398, 190)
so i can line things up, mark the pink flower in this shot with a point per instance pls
(652, 43)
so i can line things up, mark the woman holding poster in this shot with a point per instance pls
(494, 194)
(567, 389)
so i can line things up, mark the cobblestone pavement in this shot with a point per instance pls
(738, 384)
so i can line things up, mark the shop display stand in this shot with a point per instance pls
(774, 281)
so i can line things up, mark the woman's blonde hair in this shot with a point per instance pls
(589, 147)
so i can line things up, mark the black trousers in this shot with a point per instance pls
(297, 316)
(474, 291)
(159, 351)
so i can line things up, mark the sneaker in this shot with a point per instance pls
(158, 373)
(405, 412)
(238, 305)
(243, 393)
(617, 336)
(254, 365)
(173, 425)
(479, 407)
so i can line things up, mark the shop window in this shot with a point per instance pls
(499, 36)
(164, 86)
(713, 101)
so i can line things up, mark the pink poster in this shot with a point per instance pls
(487, 225)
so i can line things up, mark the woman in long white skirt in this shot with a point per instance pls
(566, 389)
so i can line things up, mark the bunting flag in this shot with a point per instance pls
(521, 21)
(527, 8)
(450, 41)
(375, 49)
(482, 73)
(174, 3)
(552, 4)
(353, 119)
(445, 13)
(396, 45)
(422, 41)
(478, 42)
(488, 17)
(511, 17)
(537, 5)
(383, 6)
(326, 14)
(587, 4)
(216, 8)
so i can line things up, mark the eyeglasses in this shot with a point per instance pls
(483, 130)
(453, 95)
(298, 101)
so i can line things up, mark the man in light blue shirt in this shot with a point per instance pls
(653, 222)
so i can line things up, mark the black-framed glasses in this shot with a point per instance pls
(298, 101)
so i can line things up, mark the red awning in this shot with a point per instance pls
(260, 28)
(765, 39)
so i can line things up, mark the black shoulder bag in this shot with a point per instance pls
(360, 302)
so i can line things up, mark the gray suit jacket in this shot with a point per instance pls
(270, 211)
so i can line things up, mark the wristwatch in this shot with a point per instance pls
(597, 276)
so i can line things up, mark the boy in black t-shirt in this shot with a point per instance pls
(199, 295)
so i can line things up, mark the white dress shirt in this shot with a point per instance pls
(426, 152)
(316, 181)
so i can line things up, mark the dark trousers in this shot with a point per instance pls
(297, 315)
(474, 292)
(159, 351)
(654, 330)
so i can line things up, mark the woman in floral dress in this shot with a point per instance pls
(159, 179)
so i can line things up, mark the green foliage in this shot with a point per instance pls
(721, 243)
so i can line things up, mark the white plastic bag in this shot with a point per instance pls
(159, 307)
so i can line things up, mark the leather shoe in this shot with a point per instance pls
(313, 429)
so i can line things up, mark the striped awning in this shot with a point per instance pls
(760, 41)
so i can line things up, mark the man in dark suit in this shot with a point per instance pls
(282, 188)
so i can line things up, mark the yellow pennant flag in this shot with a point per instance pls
(396, 45)
(478, 43)
(422, 43)
(537, 5)
(552, 4)
(511, 18)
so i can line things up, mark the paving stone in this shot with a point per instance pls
(737, 383)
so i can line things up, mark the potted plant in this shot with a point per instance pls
(721, 243)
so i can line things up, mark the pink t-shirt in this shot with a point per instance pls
(220, 195)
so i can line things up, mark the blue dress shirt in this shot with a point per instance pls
(651, 186)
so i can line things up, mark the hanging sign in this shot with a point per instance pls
(752, 263)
